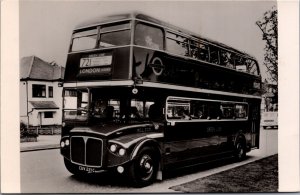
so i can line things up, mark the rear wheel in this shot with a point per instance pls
(144, 168)
(240, 150)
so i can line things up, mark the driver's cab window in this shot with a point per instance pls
(105, 108)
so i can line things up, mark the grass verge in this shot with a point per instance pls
(258, 176)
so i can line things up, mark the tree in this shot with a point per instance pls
(269, 27)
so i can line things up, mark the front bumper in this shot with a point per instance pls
(82, 169)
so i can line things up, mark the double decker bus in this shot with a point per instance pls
(142, 97)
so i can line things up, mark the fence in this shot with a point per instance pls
(51, 130)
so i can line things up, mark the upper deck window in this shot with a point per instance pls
(214, 55)
(177, 44)
(115, 35)
(227, 59)
(148, 36)
(199, 50)
(110, 35)
(84, 40)
(252, 67)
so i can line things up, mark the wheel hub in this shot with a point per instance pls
(146, 166)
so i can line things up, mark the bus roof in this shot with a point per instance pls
(147, 18)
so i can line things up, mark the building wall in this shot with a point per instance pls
(23, 102)
(36, 116)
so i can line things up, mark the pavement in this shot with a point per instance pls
(268, 143)
(44, 142)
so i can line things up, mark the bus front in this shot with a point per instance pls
(105, 120)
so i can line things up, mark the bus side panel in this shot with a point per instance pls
(189, 142)
(198, 142)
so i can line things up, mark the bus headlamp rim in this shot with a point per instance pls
(122, 151)
(113, 148)
(62, 144)
(67, 142)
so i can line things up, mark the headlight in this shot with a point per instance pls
(62, 144)
(63, 124)
(67, 142)
(121, 152)
(113, 147)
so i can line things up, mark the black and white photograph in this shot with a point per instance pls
(149, 97)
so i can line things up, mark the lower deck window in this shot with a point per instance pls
(192, 109)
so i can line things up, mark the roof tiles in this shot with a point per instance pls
(32, 67)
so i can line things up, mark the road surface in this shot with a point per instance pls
(44, 172)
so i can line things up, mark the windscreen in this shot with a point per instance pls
(110, 35)
(84, 40)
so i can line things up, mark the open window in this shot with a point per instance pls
(177, 44)
(214, 55)
(199, 50)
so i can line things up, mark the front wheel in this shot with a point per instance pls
(144, 168)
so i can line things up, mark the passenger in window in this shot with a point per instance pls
(198, 115)
(134, 113)
(108, 112)
(225, 59)
(150, 43)
(155, 112)
(99, 108)
(183, 114)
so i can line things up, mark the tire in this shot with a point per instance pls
(144, 167)
(240, 149)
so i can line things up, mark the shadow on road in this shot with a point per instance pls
(103, 179)
(201, 167)
(113, 179)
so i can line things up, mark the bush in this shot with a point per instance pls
(25, 133)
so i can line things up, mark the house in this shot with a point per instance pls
(40, 92)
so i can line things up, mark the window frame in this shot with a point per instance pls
(48, 116)
(103, 26)
(83, 30)
(186, 99)
(153, 26)
(50, 92)
(167, 37)
(34, 90)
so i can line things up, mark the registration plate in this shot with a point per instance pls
(87, 169)
(95, 61)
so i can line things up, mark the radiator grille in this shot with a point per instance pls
(86, 151)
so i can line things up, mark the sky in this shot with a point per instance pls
(46, 26)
